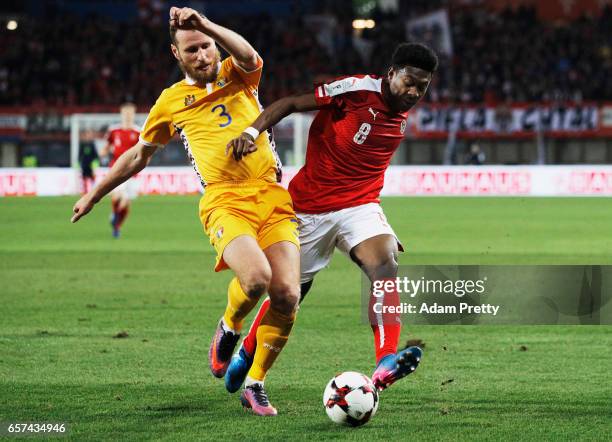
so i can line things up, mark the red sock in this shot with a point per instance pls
(122, 215)
(250, 341)
(386, 326)
(115, 206)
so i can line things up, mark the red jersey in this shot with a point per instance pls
(350, 145)
(121, 140)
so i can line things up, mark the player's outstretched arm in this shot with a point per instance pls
(244, 54)
(245, 143)
(128, 164)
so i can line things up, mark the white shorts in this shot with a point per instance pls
(127, 190)
(321, 233)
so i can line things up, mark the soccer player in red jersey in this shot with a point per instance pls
(120, 139)
(360, 123)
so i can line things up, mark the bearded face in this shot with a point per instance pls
(197, 55)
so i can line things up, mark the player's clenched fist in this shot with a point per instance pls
(241, 146)
(187, 18)
(81, 208)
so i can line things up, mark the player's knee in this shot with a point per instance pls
(257, 282)
(255, 289)
(285, 297)
(382, 267)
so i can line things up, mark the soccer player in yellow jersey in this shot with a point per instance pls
(247, 215)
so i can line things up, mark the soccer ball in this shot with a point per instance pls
(350, 398)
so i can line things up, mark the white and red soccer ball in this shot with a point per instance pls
(350, 398)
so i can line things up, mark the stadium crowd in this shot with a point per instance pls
(507, 57)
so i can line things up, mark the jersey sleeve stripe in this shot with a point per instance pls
(259, 65)
(352, 84)
(185, 140)
(148, 143)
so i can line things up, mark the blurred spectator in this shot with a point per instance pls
(498, 58)
(475, 156)
(88, 157)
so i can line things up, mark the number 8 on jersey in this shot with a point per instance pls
(362, 133)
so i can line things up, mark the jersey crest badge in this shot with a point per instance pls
(221, 82)
(190, 99)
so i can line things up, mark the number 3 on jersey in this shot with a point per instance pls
(362, 133)
(223, 114)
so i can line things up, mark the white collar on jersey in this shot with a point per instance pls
(190, 81)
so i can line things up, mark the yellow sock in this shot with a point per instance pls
(238, 305)
(272, 335)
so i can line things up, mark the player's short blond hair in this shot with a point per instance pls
(172, 31)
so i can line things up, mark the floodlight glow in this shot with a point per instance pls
(361, 23)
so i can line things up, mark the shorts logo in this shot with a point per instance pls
(403, 126)
(219, 233)
(383, 219)
(190, 99)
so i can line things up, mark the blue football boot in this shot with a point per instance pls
(391, 368)
(237, 370)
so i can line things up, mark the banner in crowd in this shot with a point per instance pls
(434, 121)
(434, 30)
(425, 121)
(399, 181)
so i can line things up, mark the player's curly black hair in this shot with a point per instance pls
(415, 54)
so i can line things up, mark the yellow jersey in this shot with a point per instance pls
(207, 117)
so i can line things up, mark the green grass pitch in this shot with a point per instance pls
(66, 290)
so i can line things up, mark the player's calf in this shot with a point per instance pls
(243, 359)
